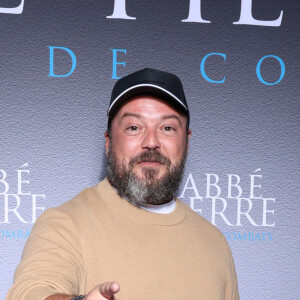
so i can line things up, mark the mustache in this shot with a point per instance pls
(150, 155)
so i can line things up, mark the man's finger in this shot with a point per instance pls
(108, 289)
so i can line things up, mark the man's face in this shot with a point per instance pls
(148, 143)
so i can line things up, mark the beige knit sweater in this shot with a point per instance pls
(98, 237)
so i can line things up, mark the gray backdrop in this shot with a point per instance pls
(243, 168)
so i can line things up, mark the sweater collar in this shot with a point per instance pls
(111, 197)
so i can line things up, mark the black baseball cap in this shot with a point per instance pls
(148, 81)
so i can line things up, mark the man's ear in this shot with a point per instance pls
(107, 141)
(188, 140)
(189, 134)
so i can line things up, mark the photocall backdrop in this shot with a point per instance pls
(239, 64)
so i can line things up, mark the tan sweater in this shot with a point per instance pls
(98, 237)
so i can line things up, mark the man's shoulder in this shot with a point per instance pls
(87, 200)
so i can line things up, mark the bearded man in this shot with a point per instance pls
(128, 237)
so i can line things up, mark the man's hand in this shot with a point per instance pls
(103, 291)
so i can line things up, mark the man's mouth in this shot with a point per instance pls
(150, 159)
(150, 162)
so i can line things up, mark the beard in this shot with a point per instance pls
(149, 189)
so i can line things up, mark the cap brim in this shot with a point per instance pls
(140, 89)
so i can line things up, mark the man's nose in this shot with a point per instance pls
(151, 140)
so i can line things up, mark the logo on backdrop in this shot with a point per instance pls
(194, 14)
(19, 204)
(119, 62)
(228, 201)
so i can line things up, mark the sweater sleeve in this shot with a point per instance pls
(51, 261)
(232, 292)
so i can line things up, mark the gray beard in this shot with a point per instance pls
(148, 190)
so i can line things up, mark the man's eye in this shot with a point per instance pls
(168, 128)
(132, 128)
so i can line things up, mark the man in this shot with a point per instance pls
(128, 237)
